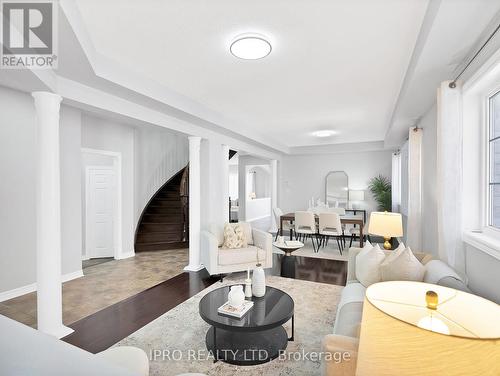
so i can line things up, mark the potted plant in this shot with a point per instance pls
(380, 187)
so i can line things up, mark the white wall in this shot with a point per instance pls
(303, 176)
(233, 181)
(71, 192)
(107, 135)
(17, 190)
(483, 273)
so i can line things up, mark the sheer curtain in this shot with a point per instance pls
(449, 175)
(396, 181)
(414, 224)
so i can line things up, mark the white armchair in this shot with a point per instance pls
(218, 260)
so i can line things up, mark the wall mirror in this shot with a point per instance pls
(337, 189)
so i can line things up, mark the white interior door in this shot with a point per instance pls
(100, 218)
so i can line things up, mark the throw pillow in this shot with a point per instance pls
(247, 229)
(368, 265)
(402, 266)
(367, 245)
(392, 255)
(234, 237)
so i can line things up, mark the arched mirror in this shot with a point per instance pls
(337, 189)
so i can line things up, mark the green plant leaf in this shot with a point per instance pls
(380, 187)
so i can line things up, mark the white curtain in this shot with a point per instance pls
(414, 225)
(396, 182)
(449, 175)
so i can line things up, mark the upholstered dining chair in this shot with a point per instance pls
(340, 211)
(330, 225)
(305, 226)
(287, 225)
(353, 232)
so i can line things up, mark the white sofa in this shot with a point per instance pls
(26, 351)
(349, 311)
(218, 260)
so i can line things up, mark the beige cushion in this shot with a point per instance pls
(246, 255)
(234, 237)
(128, 357)
(402, 265)
(368, 265)
(247, 229)
(218, 231)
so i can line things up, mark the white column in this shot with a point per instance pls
(225, 183)
(194, 204)
(48, 216)
(274, 194)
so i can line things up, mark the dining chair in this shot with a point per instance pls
(330, 225)
(353, 232)
(287, 225)
(305, 226)
(340, 211)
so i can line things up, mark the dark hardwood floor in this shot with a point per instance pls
(102, 329)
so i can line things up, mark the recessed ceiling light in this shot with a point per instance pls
(250, 47)
(324, 133)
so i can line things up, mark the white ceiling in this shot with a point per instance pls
(335, 64)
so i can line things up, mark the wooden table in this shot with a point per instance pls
(344, 219)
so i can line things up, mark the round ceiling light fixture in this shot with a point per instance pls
(250, 47)
(324, 133)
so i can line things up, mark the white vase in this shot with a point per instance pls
(236, 296)
(258, 282)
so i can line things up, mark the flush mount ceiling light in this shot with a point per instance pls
(324, 133)
(250, 47)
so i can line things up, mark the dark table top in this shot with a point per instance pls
(272, 310)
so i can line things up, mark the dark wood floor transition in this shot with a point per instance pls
(102, 329)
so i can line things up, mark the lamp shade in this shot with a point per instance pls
(386, 224)
(453, 334)
(355, 195)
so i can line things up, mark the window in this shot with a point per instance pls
(494, 161)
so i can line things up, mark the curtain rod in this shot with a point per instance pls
(453, 84)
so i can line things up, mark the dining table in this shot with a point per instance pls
(344, 219)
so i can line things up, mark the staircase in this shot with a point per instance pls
(164, 221)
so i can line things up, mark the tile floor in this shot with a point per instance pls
(103, 285)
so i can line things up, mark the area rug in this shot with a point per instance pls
(180, 333)
(330, 252)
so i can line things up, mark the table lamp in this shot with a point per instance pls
(388, 225)
(420, 329)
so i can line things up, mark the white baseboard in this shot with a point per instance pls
(126, 255)
(14, 293)
(69, 276)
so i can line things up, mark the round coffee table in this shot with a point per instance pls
(288, 261)
(257, 337)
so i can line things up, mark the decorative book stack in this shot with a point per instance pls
(238, 312)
